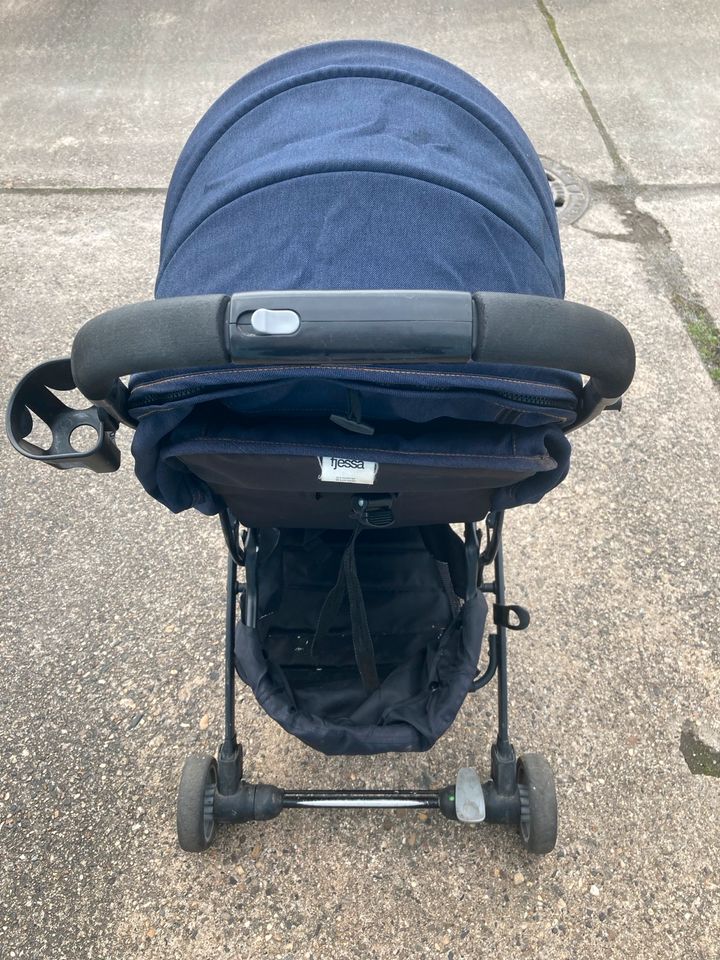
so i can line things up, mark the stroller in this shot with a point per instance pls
(319, 371)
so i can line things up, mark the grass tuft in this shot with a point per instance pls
(703, 332)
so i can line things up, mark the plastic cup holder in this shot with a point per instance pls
(73, 444)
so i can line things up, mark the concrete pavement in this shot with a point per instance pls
(113, 609)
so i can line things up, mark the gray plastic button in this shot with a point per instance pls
(275, 321)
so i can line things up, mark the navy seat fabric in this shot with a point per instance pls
(357, 165)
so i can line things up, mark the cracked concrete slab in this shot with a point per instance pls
(107, 94)
(693, 222)
(678, 261)
(650, 70)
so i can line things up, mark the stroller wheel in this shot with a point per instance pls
(195, 822)
(538, 803)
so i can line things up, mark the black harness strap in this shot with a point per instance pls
(361, 636)
(348, 584)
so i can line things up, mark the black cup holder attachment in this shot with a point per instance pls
(33, 398)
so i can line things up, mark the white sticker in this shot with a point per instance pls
(347, 470)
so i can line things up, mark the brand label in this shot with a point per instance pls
(347, 470)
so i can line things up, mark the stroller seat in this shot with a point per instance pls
(278, 448)
(359, 339)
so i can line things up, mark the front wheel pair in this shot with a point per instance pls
(536, 785)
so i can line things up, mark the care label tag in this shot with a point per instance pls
(347, 470)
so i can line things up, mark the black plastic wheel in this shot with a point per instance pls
(195, 823)
(538, 803)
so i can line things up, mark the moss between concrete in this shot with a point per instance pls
(699, 756)
(703, 331)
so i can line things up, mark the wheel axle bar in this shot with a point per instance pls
(264, 802)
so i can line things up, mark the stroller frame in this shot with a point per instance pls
(408, 327)
(503, 799)
(350, 170)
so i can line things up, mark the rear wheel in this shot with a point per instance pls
(538, 803)
(196, 793)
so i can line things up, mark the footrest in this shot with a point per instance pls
(34, 397)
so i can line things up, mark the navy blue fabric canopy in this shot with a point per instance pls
(355, 165)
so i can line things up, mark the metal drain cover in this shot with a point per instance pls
(570, 194)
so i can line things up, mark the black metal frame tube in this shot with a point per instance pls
(230, 756)
(363, 799)
(503, 737)
(504, 792)
(230, 615)
(265, 802)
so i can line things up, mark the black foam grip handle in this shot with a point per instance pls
(186, 332)
(157, 335)
(544, 332)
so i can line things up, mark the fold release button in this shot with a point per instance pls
(275, 321)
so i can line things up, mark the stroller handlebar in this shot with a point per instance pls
(141, 337)
(311, 327)
(544, 332)
(359, 326)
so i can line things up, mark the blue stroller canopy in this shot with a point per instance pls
(356, 165)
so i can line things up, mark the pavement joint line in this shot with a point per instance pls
(663, 264)
(81, 190)
(607, 139)
(658, 189)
